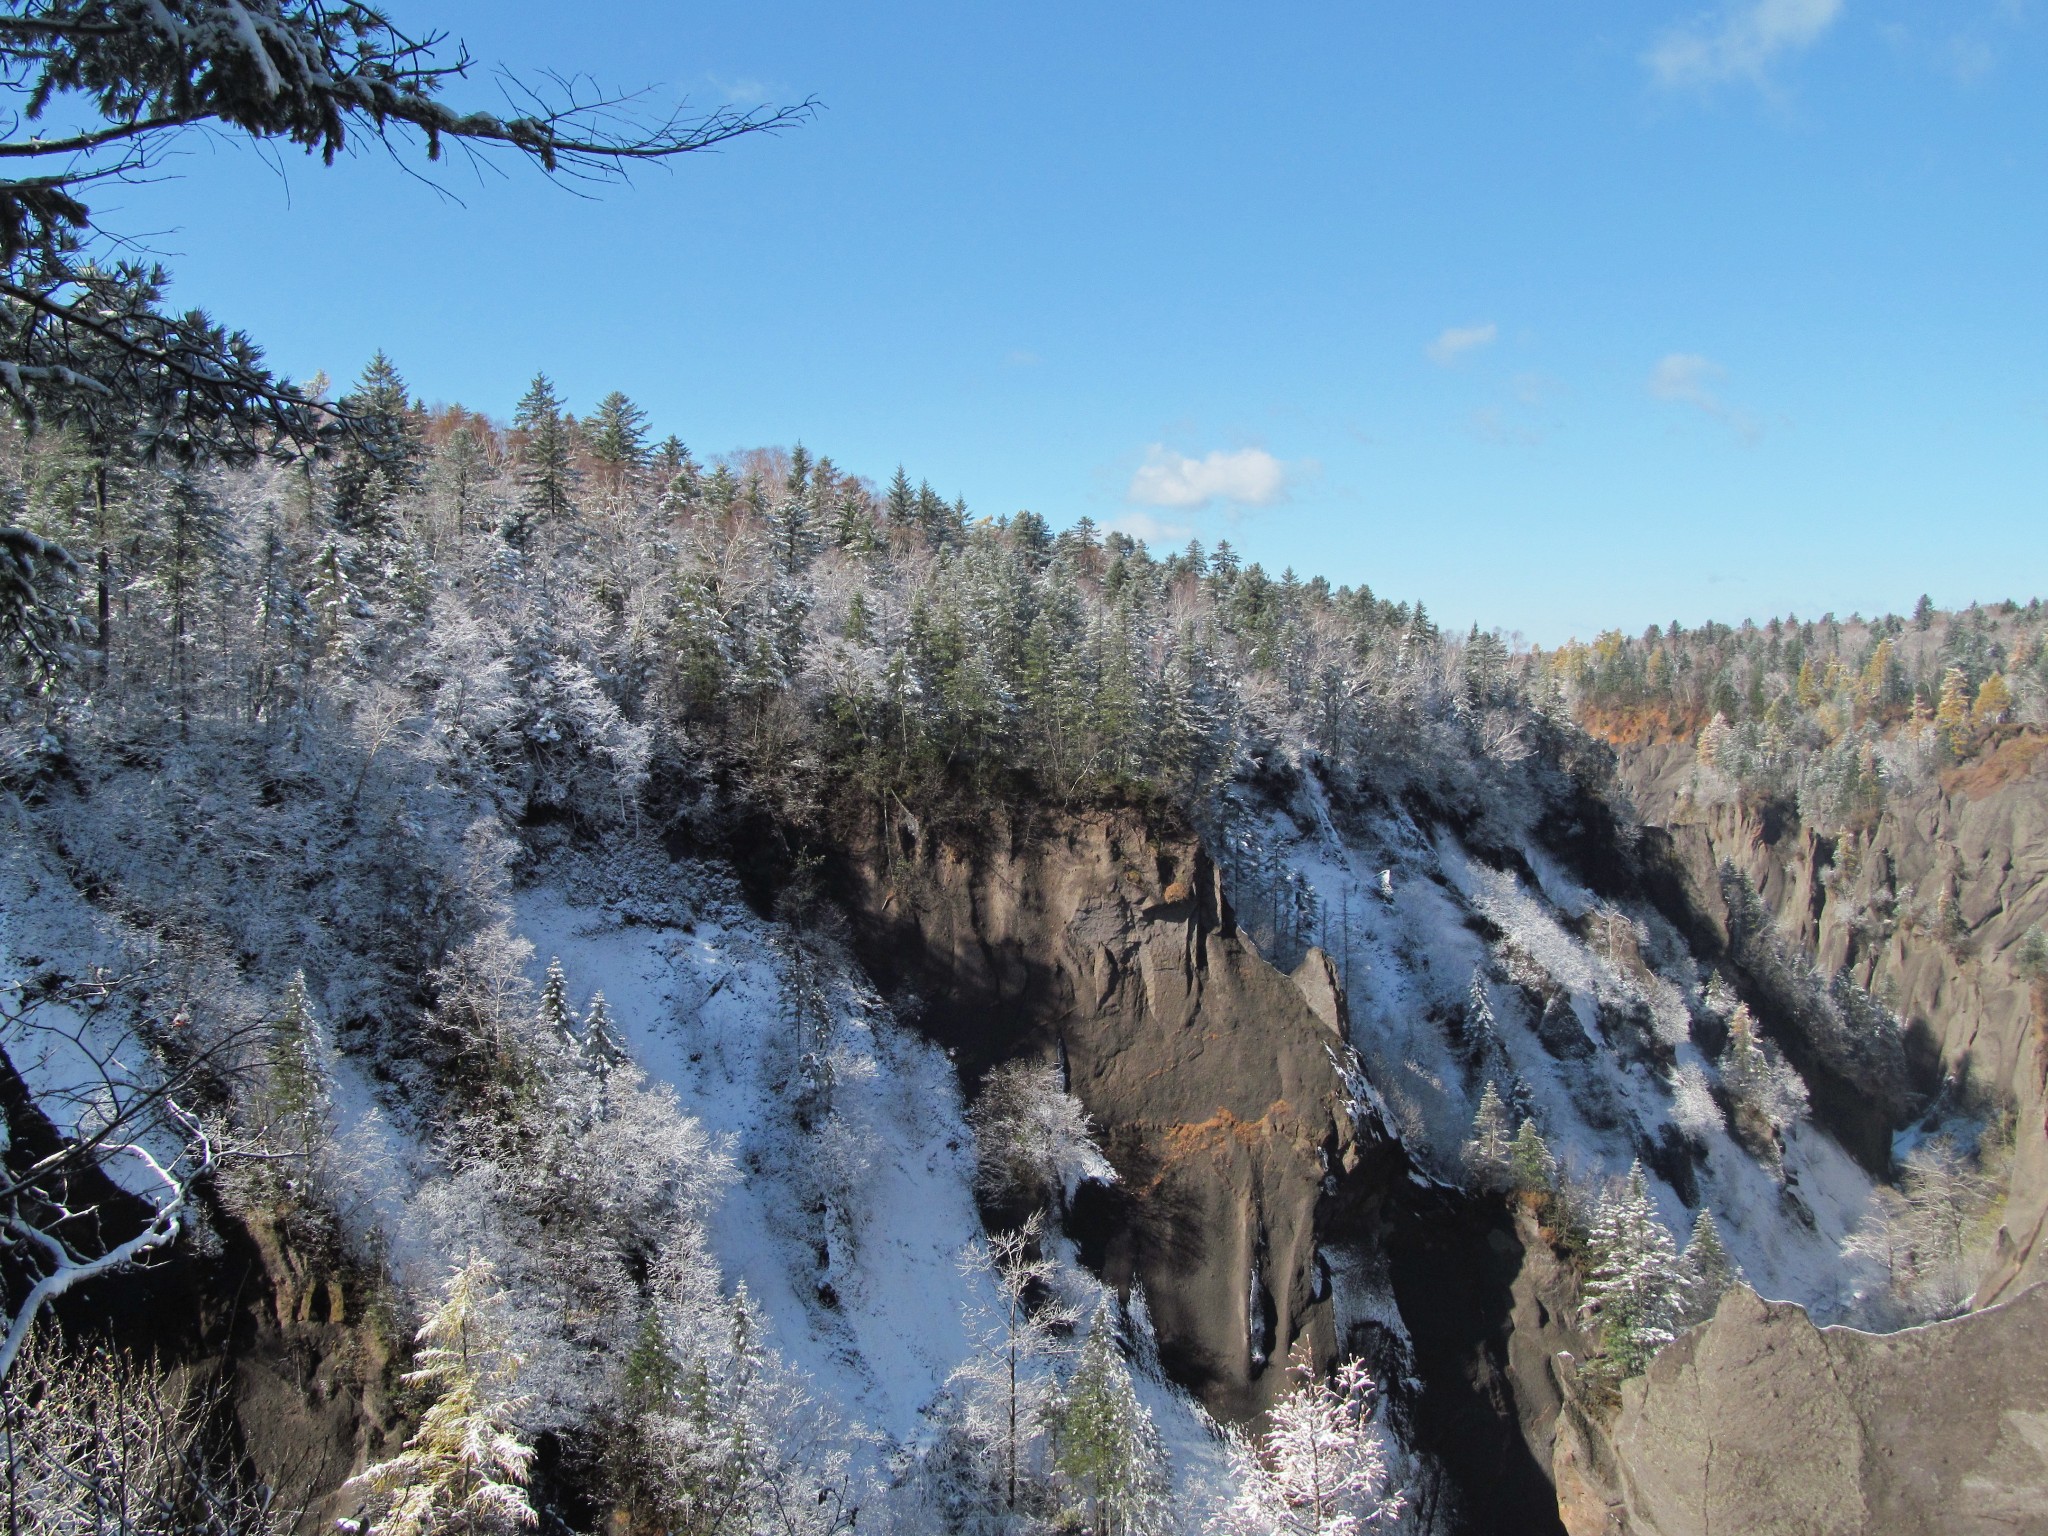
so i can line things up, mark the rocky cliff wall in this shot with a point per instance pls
(1103, 939)
(1926, 910)
(1761, 1423)
(1098, 939)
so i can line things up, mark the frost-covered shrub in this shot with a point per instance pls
(1693, 1109)
(1320, 1467)
(1929, 1238)
(1033, 1142)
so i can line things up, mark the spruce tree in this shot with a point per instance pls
(853, 524)
(384, 454)
(902, 501)
(464, 1470)
(1489, 1155)
(547, 471)
(1635, 1285)
(671, 459)
(296, 1092)
(1534, 1168)
(556, 1016)
(617, 433)
(791, 534)
(602, 1042)
(1105, 1446)
(1706, 1272)
(723, 491)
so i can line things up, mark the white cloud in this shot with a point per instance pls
(1689, 379)
(1455, 342)
(1248, 477)
(1741, 42)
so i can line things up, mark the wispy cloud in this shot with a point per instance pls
(1686, 378)
(1245, 477)
(1741, 41)
(1457, 340)
(1153, 530)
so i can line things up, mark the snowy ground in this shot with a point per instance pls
(699, 1000)
(1409, 958)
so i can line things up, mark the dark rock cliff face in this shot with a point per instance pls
(1926, 909)
(1210, 1072)
(1104, 939)
(1761, 1423)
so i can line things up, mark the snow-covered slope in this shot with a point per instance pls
(1422, 929)
(848, 1232)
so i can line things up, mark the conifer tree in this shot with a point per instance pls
(1706, 1272)
(383, 457)
(556, 1016)
(1320, 1469)
(461, 468)
(791, 534)
(671, 459)
(464, 1470)
(547, 471)
(1994, 701)
(602, 1042)
(902, 501)
(1770, 1096)
(1482, 1029)
(853, 523)
(1635, 1285)
(1105, 1446)
(1489, 1155)
(723, 490)
(1952, 712)
(617, 433)
(1535, 1169)
(296, 1092)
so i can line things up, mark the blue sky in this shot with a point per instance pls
(1558, 317)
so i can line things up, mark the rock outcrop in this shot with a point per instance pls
(1760, 1423)
(1210, 1073)
(1926, 909)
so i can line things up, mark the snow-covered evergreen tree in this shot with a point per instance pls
(1320, 1468)
(1706, 1273)
(557, 1017)
(1489, 1155)
(296, 1097)
(1770, 1096)
(603, 1045)
(547, 469)
(1635, 1284)
(464, 1469)
(1107, 1451)
(1530, 1159)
